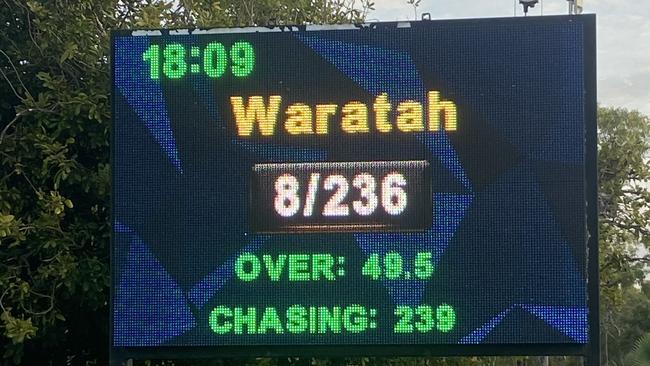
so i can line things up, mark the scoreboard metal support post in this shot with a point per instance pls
(591, 187)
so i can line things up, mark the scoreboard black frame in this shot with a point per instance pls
(589, 349)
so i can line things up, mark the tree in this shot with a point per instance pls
(54, 177)
(629, 323)
(624, 195)
(624, 203)
(640, 355)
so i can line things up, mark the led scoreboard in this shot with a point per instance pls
(355, 189)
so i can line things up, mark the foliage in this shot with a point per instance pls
(628, 323)
(640, 355)
(415, 4)
(624, 197)
(54, 178)
(624, 204)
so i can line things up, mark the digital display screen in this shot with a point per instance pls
(418, 183)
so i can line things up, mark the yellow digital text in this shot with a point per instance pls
(259, 116)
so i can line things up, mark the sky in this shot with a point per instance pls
(623, 37)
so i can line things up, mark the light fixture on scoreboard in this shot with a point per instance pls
(528, 4)
(575, 6)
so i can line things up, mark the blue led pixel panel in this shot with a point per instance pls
(422, 183)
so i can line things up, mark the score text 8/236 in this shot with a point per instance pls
(351, 196)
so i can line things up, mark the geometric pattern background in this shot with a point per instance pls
(508, 233)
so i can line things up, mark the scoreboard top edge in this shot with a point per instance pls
(418, 24)
(408, 164)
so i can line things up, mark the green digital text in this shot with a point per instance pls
(175, 60)
(392, 266)
(424, 318)
(292, 267)
(296, 319)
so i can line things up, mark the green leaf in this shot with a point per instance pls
(18, 330)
